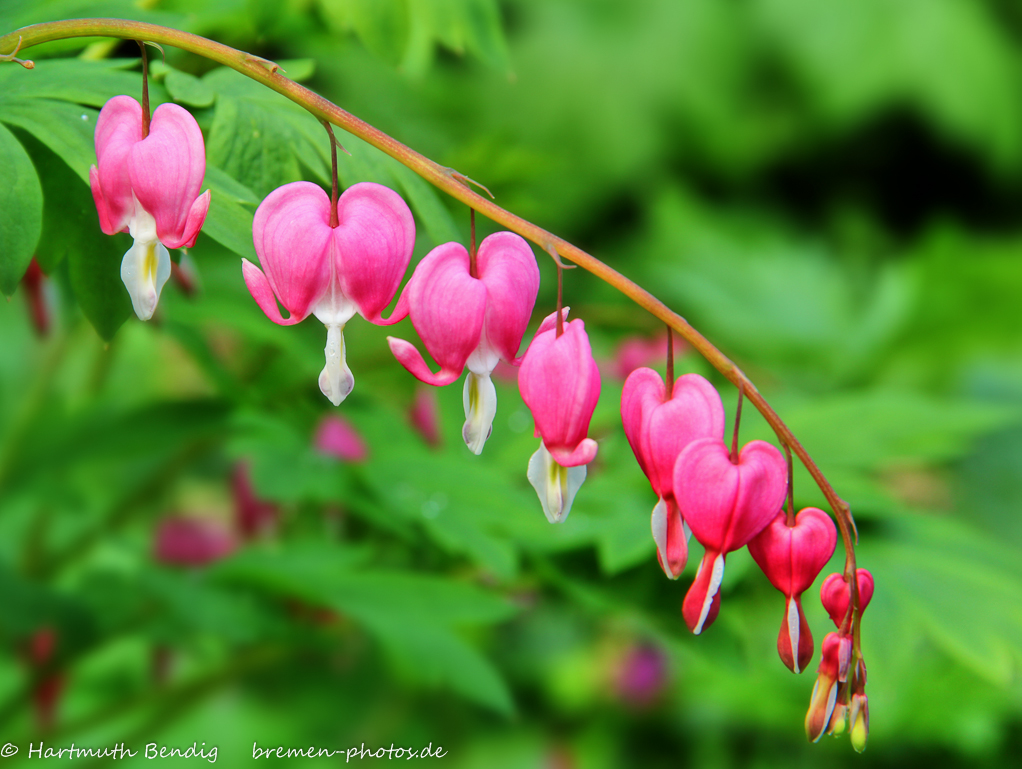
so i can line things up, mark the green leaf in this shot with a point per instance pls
(381, 24)
(459, 25)
(21, 200)
(75, 80)
(231, 209)
(72, 230)
(67, 129)
(188, 89)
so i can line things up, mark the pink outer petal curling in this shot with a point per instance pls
(793, 556)
(835, 595)
(560, 383)
(508, 269)
(725, 504)
(118, 129)
(291, 231)
(374, 239)
(166, 170)
(658, 429)
(447, 306)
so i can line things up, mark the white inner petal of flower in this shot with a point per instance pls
(480, 400)
(715, 578)
(658, 522)
(555, 485)
(333, 311)
(145, 267)
(794, 629)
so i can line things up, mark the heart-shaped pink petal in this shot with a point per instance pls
(447, 306)
(374, 239)
(658, 429)
(728, 504)
(166, 169)
(118, 129)
(835, 595)
(793, 556)
(291, 231)
(508, 269)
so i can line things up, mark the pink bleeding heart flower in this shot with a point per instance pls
(835, 595)
(190, 541)
(338, 438)
(149, 187)
(658, 429)
(470, 321)
(560, 383)
(725, 505)
(825, 690)
(331, 272)
(636, 351)
(792, 557)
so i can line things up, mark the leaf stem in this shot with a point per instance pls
(145, 89)
(333, 173)
(473, 268)
(453, 183)
(669, 387)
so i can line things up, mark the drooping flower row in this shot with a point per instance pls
(335, 258)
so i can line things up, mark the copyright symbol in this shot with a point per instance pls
(8, 750)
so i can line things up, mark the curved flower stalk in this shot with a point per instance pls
(792, 557)
(330, 271)
(149, 187)
(658, 428)
(726, 504)
(560, 383)
(469, 320)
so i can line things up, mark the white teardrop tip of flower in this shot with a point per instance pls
(715, 578)
(336, 380)
(555, 485)
(144, 270)
(480, 399)
(658, 523)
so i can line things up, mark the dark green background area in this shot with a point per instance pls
(831, 192)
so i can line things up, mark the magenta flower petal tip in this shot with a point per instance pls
(472, 321)
(424, 416)
(191, 541)
(311, 268)
(658, 428)
(149, 187)
(337, 437)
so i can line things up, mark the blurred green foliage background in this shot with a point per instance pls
(830, 191)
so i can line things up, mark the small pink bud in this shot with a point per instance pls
(188, 541)
(792, 557)
(835, 595)
(560, 383)
(725, 505)
(424, 416)
(336, 437)
(252, 515)
(658, 428)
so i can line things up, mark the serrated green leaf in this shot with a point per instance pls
(21, 200)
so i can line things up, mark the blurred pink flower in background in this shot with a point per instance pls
(641, 675)
(336, 437)
(191, 541)
(252, 516)
(48, 683)
(424, 416)
(636, 351)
